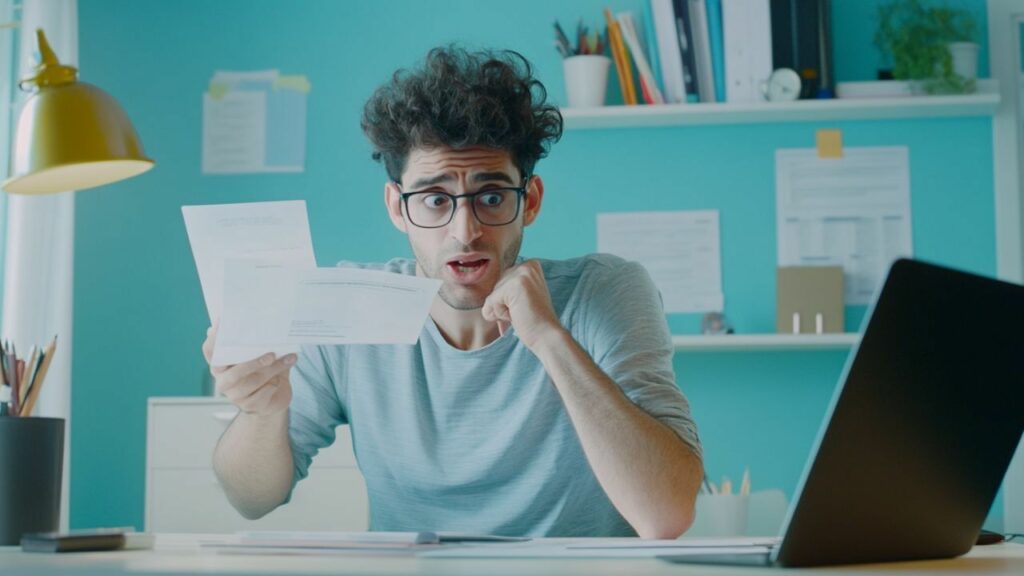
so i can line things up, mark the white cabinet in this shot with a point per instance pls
(183, 495)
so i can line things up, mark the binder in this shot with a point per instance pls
(671, 63)
(802, 40)
(687, 49)
(714, 8)
(702, 50)
(747, 37)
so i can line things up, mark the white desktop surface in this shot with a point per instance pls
(181, 554)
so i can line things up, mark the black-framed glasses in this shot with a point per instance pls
(491, 206)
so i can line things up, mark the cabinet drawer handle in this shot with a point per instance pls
(225, 416)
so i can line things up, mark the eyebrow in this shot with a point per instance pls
(477, 178)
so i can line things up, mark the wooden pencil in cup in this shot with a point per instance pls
(37, 380)
(25, 370)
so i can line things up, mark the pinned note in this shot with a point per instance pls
(852, 212)
(254, 122)
(830, 143)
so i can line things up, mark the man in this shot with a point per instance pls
(540, 398)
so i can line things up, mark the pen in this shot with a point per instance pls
(562, 39)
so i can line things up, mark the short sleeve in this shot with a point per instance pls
(627, 336)
(316, 408)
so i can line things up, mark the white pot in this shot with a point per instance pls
(586, 80)
(965, 59)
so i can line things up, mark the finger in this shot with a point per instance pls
(211, 334)
(239, 373)
(251, 382)
(494, 310)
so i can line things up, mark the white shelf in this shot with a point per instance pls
(982, 103)
(764, 342)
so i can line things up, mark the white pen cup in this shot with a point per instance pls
(586, 80)
(721, 515)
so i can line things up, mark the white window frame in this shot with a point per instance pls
(1004, 21)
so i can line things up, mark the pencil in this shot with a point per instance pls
(26, 371)
(40, 375)
(12, 377)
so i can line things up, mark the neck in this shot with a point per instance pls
(463, 329)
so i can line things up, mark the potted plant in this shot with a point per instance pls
(921, 42)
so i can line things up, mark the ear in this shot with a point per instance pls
(534, 197)
(393, 201)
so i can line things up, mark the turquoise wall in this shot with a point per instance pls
(139, 315)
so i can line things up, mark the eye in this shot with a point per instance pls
(491, 200)
(435, 200)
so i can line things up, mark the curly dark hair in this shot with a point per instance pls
(459, 99)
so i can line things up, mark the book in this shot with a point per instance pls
(717, 50)
(702, 50)
(684, 33)
(650, 40)
(801, 40)
(649, 89)
(663, 15)
(623, 67)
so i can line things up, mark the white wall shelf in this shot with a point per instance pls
(982, 103)
(764, 342)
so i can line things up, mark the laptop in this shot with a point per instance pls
(920, 432)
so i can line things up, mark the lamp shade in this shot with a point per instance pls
(71, 135)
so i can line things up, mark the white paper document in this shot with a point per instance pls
(269, 305)
(680, 250)
(254, 122)
(267, 232)
(605, 548)
(852, 212)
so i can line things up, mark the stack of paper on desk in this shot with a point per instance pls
(604, 548)
(452, 545)
(317, 543)
(260, 280)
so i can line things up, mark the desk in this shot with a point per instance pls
(180, 554)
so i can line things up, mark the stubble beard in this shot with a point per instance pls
(450, 293)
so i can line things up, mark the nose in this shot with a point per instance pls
(464, 226)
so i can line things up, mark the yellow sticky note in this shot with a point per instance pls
(218, 90)
(297, 82)
(830, 143)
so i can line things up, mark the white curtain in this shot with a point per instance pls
(39, 259)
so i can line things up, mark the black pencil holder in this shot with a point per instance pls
(31, 468)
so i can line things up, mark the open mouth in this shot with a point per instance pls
(468, 268)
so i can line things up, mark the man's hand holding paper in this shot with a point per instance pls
(260, 279)
(259, 386)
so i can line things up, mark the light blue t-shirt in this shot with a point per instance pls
(479, 440)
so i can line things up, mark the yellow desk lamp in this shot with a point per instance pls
(71, 135)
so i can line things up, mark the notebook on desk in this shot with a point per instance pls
(920, 432)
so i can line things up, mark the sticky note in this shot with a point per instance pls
(297, 82)
(218, 90)
(830, 143)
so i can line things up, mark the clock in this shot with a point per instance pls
(782, 86)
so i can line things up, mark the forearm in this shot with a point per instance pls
(253, 463)
(647, 471)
